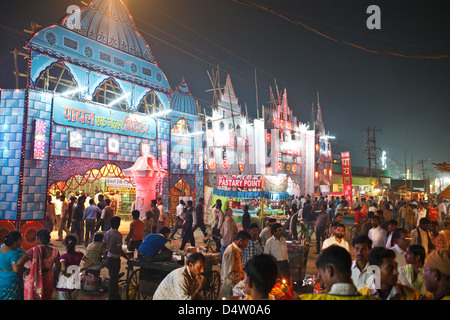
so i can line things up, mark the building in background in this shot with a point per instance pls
(323, 171)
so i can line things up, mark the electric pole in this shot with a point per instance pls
(371, 147)
(422, 162)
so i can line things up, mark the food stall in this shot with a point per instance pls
(264, 195)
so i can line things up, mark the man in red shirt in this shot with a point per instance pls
(135, 236)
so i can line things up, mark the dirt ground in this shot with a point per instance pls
(102, 294)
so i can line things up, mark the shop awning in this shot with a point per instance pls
(251, 194)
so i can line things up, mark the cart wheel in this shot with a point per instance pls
(132, 287)
(212, 287)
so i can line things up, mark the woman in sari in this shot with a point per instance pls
(38, 284)
(11, 283)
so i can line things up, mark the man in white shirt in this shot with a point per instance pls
(184, 283)
(421, 212)
(277, 247)
(401, 239)
(443, 210)
(337, 238)
(180, 219)
(58, 212)
(361, 275)
(266, 233)
(377, 234)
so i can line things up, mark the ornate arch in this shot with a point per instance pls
(109, 90)
(56, 77)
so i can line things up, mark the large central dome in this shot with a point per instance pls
(110, 23)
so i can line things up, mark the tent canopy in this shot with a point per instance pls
(445, 193)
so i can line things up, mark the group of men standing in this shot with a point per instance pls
(80, 214)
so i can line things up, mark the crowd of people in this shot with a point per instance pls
(400, 248)
(394, 258)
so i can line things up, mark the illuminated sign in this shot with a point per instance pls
(164, 154)
(346, 175)
(181, 144)
(87, 115)
(237, 182)
(40, 127)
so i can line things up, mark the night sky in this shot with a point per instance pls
(407, 98)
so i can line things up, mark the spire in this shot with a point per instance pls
(228, 99)
(284, 102)
(312, 117)
(319, 111)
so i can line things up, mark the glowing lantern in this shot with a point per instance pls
(225, 165)
(212, 165)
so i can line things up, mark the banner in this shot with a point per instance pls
(87, 115)
(239, 183)
(347, 176)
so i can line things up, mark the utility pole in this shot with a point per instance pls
(422, 162)
(371, 148)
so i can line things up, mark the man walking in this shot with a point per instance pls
(321, 226)
(198, 220)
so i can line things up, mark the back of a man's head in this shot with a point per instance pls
(115, 222)
(378, 254)
(337, 256)
(262, 270)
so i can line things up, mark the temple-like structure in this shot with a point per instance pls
(96, 102)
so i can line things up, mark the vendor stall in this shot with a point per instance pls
(265, 196)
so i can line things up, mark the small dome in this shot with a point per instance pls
(182, 100)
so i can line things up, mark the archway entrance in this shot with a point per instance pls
(109, 180)
(180, 190)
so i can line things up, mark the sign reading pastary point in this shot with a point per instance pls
(87, 115)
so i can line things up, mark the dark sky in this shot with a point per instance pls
(407, 98)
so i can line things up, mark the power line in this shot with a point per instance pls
(397, 54)
(304, 105)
